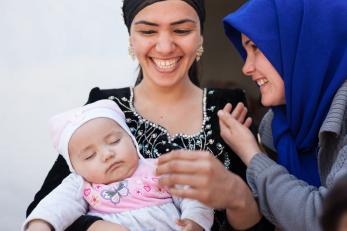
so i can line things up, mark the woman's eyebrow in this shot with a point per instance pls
(182, 21)
(146, 23)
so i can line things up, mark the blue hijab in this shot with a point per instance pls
(306, 41)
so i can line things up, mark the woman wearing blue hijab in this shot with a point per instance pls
(296, 51)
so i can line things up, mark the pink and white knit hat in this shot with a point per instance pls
(62, 126)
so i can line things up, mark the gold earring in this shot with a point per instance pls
(199, 53)
(131, 52)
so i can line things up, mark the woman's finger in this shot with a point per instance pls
(225, 131)
(243, 115)
(194, 181)
(248, 122)
(222, 115)
(237, 111)
(182, 155)
(181, 166)
(226, 119)
(227, 108)
(190, 193)
(229, 121)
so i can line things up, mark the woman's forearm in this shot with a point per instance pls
(242, 209)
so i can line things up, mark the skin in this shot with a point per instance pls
(207, 178)
(93, 157)
(40, 225)
(107, 156)
(170, 31)
(257, 66)
(164, 31)
(167, 31)
(342, 226)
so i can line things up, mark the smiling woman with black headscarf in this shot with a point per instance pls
(166, 111)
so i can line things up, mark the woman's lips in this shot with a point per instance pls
(166, 65)
(260, 82)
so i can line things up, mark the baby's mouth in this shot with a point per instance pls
(113, 166)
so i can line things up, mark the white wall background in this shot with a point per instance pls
(52, 52)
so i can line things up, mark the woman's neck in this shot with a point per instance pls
(165, 95)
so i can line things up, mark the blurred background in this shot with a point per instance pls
(51, 54)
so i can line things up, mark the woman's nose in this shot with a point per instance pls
(165, 43)
(248, 68)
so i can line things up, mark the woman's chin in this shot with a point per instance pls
(265, 103)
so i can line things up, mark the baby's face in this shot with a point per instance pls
(102, 152)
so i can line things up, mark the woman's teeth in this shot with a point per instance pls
(166, 64)
(261, 82)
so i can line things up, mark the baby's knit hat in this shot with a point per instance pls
(62, 126)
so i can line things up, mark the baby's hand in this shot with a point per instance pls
(189, 225)
(39, 225)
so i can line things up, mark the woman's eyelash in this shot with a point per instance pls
(179, 31)
(147, 32)
(254, 47)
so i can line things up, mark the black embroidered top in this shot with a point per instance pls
(154, 140)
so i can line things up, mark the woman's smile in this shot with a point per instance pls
(261, 82)
(166, 65)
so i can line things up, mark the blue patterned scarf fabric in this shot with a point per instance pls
(306, 41)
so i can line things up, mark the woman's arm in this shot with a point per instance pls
(242, 211)
(288, 202)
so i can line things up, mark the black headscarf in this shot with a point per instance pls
(132, 7)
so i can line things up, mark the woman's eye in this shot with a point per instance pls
(147, 32)
(182, 32)
(254, 47)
